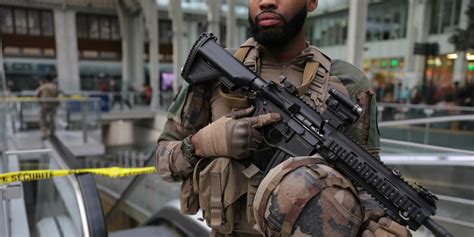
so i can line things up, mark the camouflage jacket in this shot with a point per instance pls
(48, 90)
(193, 107)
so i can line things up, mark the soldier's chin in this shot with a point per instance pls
(272, 38)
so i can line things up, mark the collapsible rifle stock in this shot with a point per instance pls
(304, 131)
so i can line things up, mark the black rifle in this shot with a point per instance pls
(304, 131)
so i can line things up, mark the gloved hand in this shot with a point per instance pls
(233, 135)
(376, 223)
(385, 227)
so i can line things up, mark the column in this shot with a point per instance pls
(231, 25)
(460, 63)
(418, 26)
(67, 58)
(176, 15)
(213, 17)
(132, 33)
(150, 11)
(2, 69)
(356, 32)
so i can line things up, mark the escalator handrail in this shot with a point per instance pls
(128, 190)
(87, 185)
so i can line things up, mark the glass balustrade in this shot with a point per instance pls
(435, 149)
(451, 127)
(50, 207)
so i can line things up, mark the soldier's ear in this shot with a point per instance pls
(311, 5)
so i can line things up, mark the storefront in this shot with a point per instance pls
(470, 67)
(440, 69)
(386, 76)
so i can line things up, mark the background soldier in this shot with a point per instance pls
(48, 92)
(211, 144)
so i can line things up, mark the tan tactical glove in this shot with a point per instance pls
(233, 135)
(385, 227)
(376, 223)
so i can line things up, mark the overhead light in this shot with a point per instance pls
(470, 57)
(452, 56)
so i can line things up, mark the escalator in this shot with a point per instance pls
(166, 221)
(60, 206)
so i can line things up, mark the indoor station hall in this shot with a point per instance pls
(90, 88)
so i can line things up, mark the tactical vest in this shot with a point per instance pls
(225, 189)
(315, 77)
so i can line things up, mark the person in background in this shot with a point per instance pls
(117, 97)
(47, 92)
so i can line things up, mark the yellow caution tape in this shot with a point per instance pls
(112, 172)
(36, 99)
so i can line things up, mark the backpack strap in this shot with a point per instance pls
(242, 52)
(233, 100)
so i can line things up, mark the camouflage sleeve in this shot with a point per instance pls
(188, 113)
(365, 131)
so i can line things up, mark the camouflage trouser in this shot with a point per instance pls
(47, 124)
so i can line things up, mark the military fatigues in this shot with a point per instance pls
(228, 209)
(47, 91)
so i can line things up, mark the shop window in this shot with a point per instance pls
(93, 27)
(445, 16)
(165, 34)
(47, 23)
(98, 27)
(387, 20)
(21, 25)
(105, 28)
(6, 20)
(115, 29)
(81, 26)
(33, 22)
(329, 30)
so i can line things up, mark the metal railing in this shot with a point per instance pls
(115, 101)
(428, 124)
(71, 114)
(433, 146)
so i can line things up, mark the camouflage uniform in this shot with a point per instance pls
(47, 90)
(196, 106)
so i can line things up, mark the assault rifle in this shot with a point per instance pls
(304, 131)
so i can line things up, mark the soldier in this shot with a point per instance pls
(47, 91)
(212, 145)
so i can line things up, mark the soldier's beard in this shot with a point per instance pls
(274, 37)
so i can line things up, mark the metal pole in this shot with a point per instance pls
(357, 24)
(3, 111)
(231, 24)
(84, 122)
(213, 17)
(176, 15)
(428, 113)
(4, 227)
